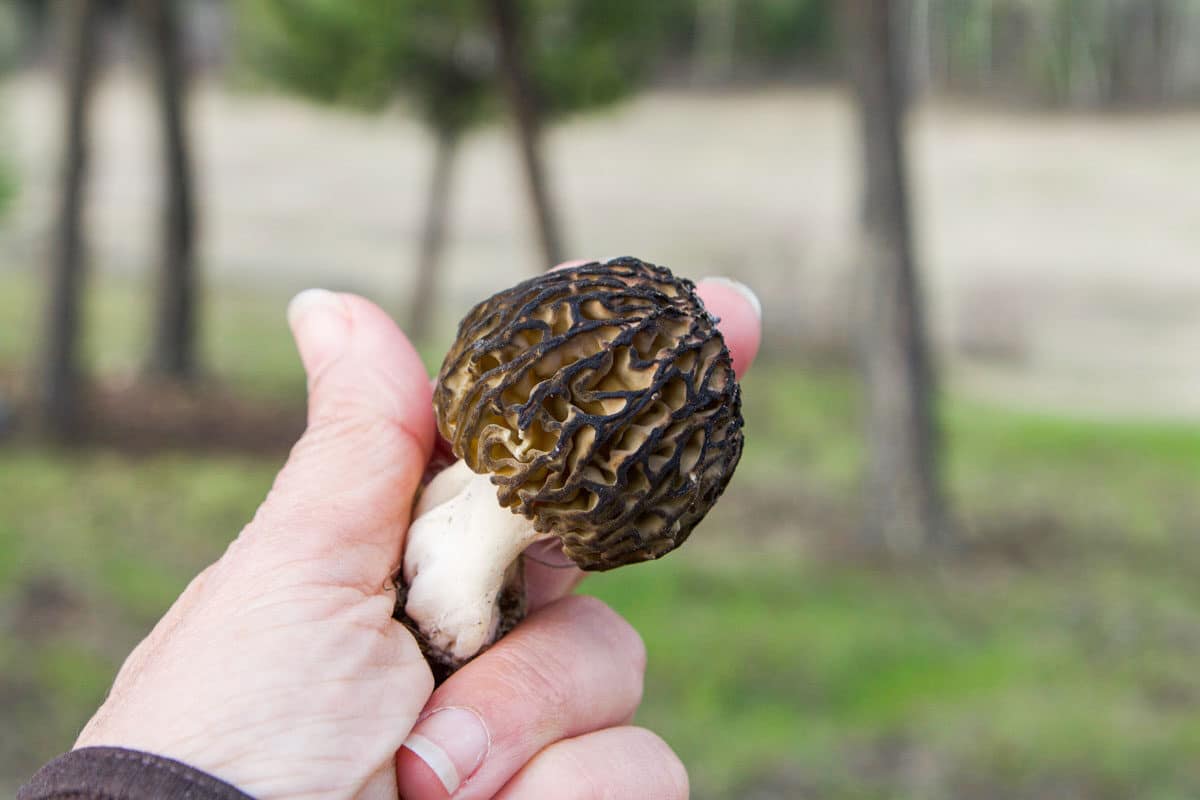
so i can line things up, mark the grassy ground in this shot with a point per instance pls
(1054, 656)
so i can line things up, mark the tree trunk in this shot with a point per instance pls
(433, 236)
(33, 28)
(716, 41)
(1140, 63)
(60, 358)
(1163, 22)
(903, 503)
(919, 71)
(522, 101)
(173, 352)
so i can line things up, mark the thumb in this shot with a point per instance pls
(360, 367)
(344, 497)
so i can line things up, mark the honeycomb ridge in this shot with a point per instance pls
(602, 400)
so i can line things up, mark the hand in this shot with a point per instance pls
(280, 670)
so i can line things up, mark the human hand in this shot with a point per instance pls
(280, 669)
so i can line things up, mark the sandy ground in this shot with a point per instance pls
(1060, 252)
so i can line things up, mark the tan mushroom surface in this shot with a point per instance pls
(597, 404)
(603, 402)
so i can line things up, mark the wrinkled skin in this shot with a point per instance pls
(280, 670)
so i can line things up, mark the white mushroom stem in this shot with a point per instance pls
(460, 547)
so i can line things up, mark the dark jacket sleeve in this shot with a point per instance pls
(111, 773)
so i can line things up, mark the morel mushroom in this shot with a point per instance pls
(596, 404)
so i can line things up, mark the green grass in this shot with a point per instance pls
(1065, 667)
(93, 548)
(1129, 481)
(809, 667)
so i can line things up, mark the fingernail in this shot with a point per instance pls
(318, 319)
(311, 300)
(742, 289)
(452, 742)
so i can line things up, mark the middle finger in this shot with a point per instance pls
(571, 668)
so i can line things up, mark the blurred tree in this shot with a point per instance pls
(60, 367)
(11, 35)
(903, 499)
(367, 53)
(734, 39)
(30, 23)
(524, 104)
(556, 57)
(174, 335)
(1139, 39)
(715, 49)
(583, 55)
(8, 49)
(1081, 53)
(786, 33)
(452, 59)
(1084, 53)
(8, 185)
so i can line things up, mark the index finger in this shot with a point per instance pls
(740, 315)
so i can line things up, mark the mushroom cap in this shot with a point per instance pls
(602, 400)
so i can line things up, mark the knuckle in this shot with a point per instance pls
(672, 772)
(366, 400)
(637, 649)
(677, 775)
(342, 457)
(624, 638)
(636, 664)
(585, 604)
(349, 427)
(540, 679)
(582, 777)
